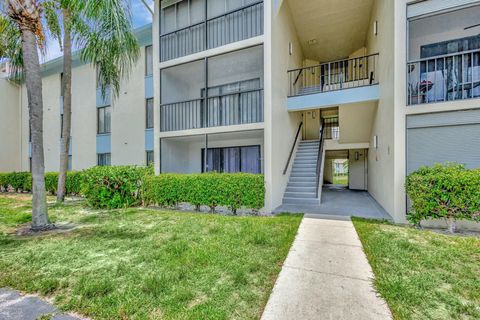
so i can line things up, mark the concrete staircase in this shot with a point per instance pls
(301, 188)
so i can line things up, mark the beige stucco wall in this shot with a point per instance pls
(10, 124)
(381, 160)
(280, 125)
(84, 118)
(356, 121)
(128, 118)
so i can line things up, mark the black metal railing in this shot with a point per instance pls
(236, 25)
(293, 148)
(447, 77)
(242, 107)
(332, 128)
(333, 76)
(320, 157)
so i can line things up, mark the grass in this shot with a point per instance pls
(422, 274)
(341, 180)
(146, 264)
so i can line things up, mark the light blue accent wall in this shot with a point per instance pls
(102, 102)
(104, 143)
(61, 104)
(29, 149)
(148, 139)
(334, 98)
(148, 87)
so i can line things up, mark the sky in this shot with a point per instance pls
(141, 17)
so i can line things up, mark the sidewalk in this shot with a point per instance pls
(14, 306)
(326, 276)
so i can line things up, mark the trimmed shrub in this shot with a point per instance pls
(72, 183)
(18, 181)
(22, 181)
(114, 186)
(447, 191)
(234, 190)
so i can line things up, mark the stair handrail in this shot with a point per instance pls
(293, 148)
(319, 156)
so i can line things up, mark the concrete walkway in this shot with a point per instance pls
(340, 201)
(326, 276)
(14, 306)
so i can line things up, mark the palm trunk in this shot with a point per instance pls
(33, 82)
(67, 107)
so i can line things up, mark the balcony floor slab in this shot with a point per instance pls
(333, 98)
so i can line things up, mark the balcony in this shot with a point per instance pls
(334, 83)
(443, 56)
(223, 90)
(220, 29)
(442, 78)
(242, 107)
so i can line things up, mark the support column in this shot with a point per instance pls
(205, 159)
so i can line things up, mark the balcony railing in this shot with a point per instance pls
(444, 78)
(236, 25)
(333, 76)
(223, 110)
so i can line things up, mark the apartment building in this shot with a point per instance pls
(106, 130)
(284, 88)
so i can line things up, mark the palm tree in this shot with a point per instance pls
(104, 31)
(25, 16)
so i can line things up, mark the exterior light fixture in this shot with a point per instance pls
(375, 142)
(290, 48)
(375, 27)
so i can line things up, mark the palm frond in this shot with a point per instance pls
(110, 44)
(11, 46)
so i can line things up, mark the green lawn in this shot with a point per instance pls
(342, 180)
(422, 274)
(146, 264)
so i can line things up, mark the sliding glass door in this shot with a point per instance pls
(232, 159)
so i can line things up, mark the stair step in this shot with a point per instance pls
(310, 189)
(301, 195)
(303, 179)
(304, 169)
(301, 201)
(306, 157)
(305, 165)
(305, 161)
(294, 185)
(303, 175)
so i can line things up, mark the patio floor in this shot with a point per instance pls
(340, 201)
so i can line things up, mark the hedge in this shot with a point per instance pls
(18, 181)
(234, 190)
(22, 182)
(447, 191)
(128, 186)
(112, 187)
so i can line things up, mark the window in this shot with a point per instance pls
(149, 114)
(30, 164)
(232, 159)
(148, 60)
(149, 157)
(103, 159)
(103, 120)
(61, 125)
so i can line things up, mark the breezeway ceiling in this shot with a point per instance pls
(339, 26)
